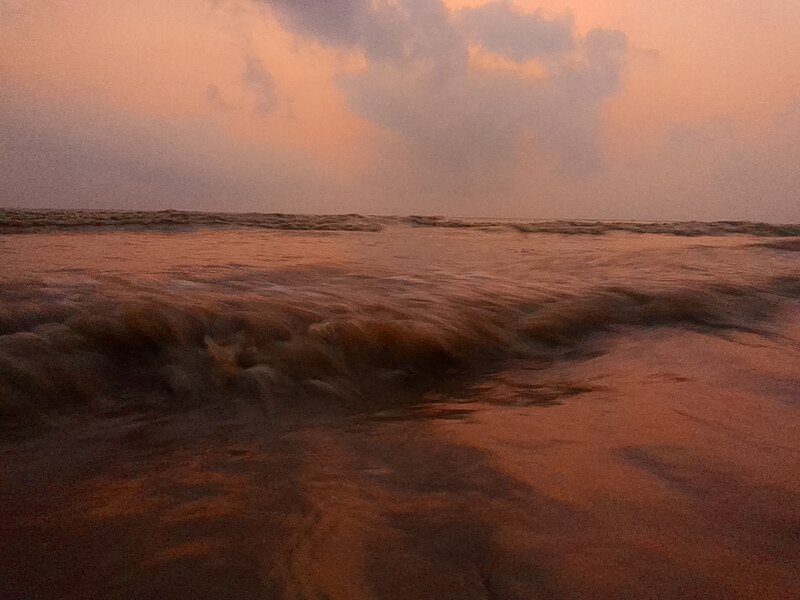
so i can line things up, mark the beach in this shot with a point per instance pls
(289, 406)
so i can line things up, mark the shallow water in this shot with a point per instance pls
(404, 411)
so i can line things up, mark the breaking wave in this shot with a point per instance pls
(115, 352)
(29, 220)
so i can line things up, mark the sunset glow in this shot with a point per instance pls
(539, 109)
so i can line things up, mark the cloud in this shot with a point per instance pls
(217, 100)
(405, 30)
(502, 29)
(605, 52)
(260, 83)
(419, 82)
(335, 22)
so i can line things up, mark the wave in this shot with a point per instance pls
(31, 221)
(581, 227)
(106, 355)
(19, 221)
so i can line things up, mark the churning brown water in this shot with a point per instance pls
(282, 406)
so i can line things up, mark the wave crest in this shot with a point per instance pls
(108, 355)
(31, 221)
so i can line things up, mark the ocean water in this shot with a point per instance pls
(287, 406)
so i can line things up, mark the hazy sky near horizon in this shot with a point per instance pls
(637, 109)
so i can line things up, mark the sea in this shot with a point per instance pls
(345, 407)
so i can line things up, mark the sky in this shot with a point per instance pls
(608, 109)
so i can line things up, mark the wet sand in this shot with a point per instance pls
(674, 474)
(410, 413)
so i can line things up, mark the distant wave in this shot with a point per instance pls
(14, 221)
(31, 221)
(106, 353)
(580, 227)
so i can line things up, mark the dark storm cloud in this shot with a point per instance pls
(419, 83)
